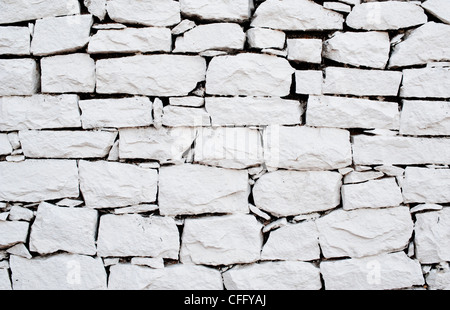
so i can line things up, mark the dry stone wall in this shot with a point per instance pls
(215, 144)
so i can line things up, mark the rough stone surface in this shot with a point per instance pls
(347, 81)
(249, 75)
(296, 242)
(58, 272)
(14, 41)
(438, 8)
(266, 38)
(18, 213)
(217, 36)
(360, 177)
(68, 74)
(177, 277)
(340, 112)
(39, 112)
(139, 73)
(131, 40)
(364, 232)
(386, 15)
(196, 189)
(426, 82)
(12, 233)
(219, 10)
(425, 118)
(305, 50)
(96, 8)
(61, 34)
(432, 236)
(296, 15)
(5, 145)
(37, 180)
(308, 82)
(306, 148)
(108, 184)
(439, 279)
(382, 150)
(66, 144)
(5, 281)
(232, 239)
(190, 101)
(426, 185)
(18, 77)
(382, 272)
(157, 13)
(116, 113)
(290, 193)
(185, 117)
(241, 111)
(273, 276)
(361, 49)
(372, 194)
(183, 26)
(134, 235)
(71, 230)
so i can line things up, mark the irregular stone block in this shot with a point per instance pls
(108, 185)
(360, 177)
(18, 77)
(217, 10)
(15, 41)
(191, 101)
(438, 8)
(425, 118)
(12, 233)
(5, 145)
(426, 185)
(289, 193)
(221, 240)
(426, 82)
(185, 117)
(18, 213)
(5, 281)
(308, 82)
(38, 180)
(266, 38)
(305, 50)
(196, 189)
(133, 235)
(439, 279)
(96, 8)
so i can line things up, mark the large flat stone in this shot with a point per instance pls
(133, 235)
(15, 41)
(425, 118)
(249, 75)
(12, 233)
(152, 75)
(426, 82)
(364, 232)
(38, 180)
(217, 10)
(289, 193)
(18, 77)
(108, 185)
(426, 185)
(221, 240)
(307, 148)
(196, 189)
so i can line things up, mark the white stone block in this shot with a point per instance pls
(15, 41)
(426, 185)
(18, 77)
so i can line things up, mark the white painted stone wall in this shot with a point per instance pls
(215, 144)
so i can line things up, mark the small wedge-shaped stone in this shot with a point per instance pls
(296, 15)
(422, 45)
(71, 230)
(355, 177)
(386, 15)
(373, 194)
(364, 232)
(14, 11)
(438, 8)
(12, 233)
(66, 144)
(18, 77)
(96, 8)
(426, 82)
(58, 272)
(39, 112)
(5, 145)
(307, 148)
(235, 148)
(249, 75)
(14, 41)
(297, 242)
(196, 189)
(432, 236)
(108, 185)
(391, 150)
(361, 49)
(273, 276)
(116, 113)
(289, 193)
(426, 185)
(61, 34)
(5, 281)
(133, 235)
(425, 118)
(74, 73)
(347, 81)
(257, 111)
(163, 145)
(221, 240)
(341, 112)
(175, 277)
(131, 40)
(38, 180)
(382, 272)
(219, 10)
(157, 13)
(220, 36)
(143, 74)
